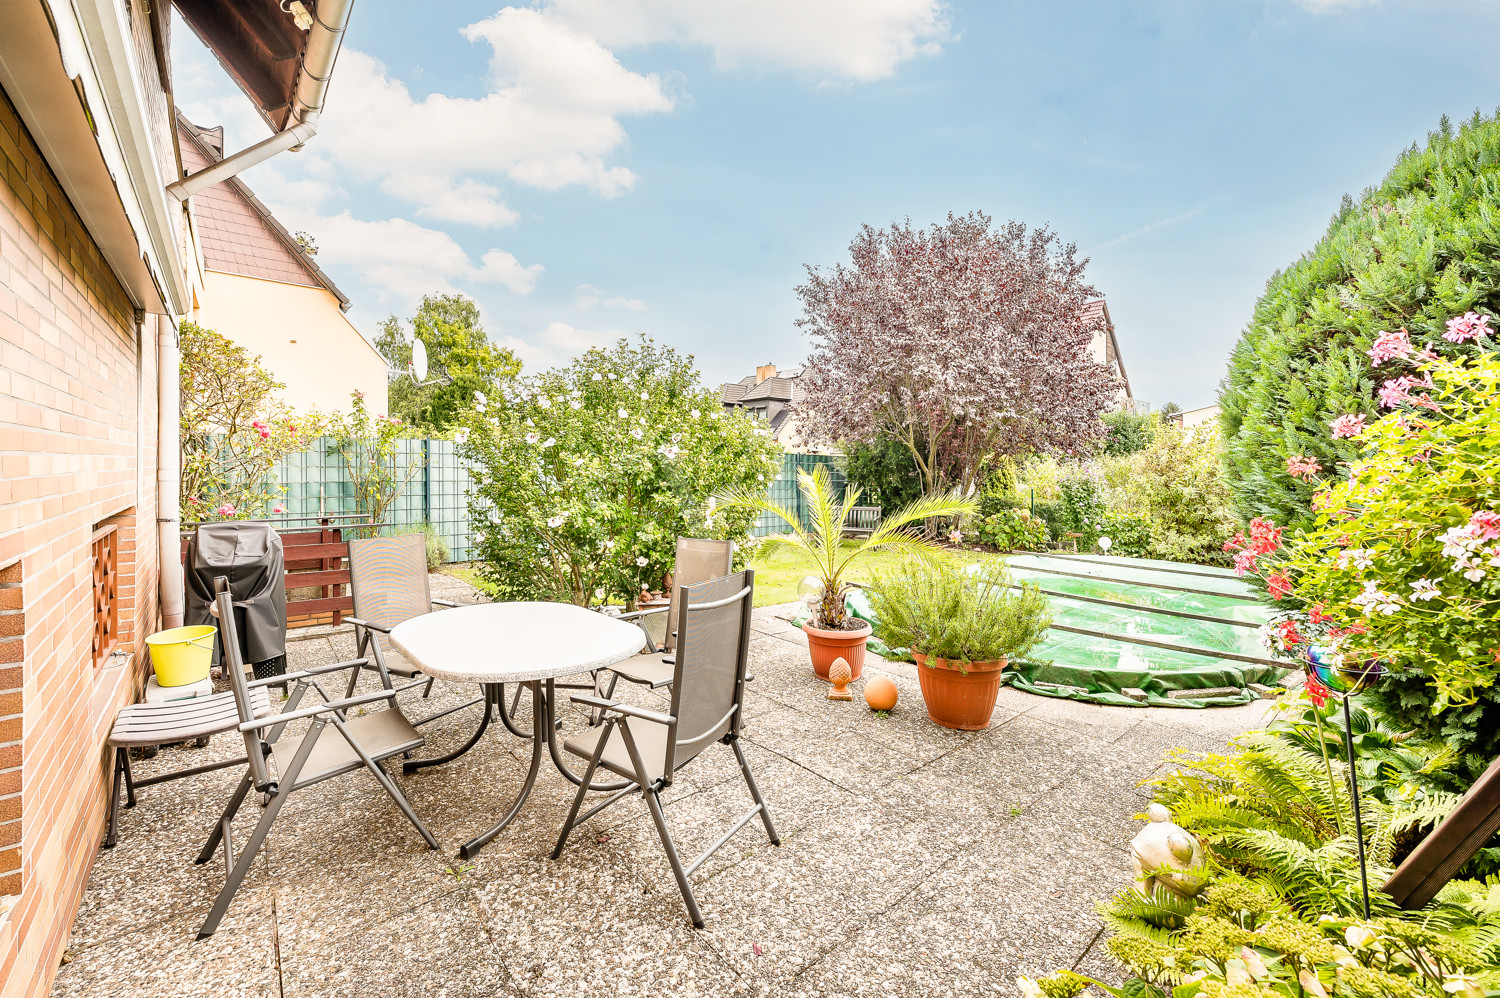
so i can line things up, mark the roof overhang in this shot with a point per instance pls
(259, 46)
(88, 131)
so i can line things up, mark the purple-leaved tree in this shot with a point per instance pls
(963, 341)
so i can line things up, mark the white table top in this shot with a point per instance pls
(514, 642)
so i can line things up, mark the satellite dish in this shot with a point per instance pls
(419, 361)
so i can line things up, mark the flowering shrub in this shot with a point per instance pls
(1402, 563)
(585, 475)
(368, 446)
(234, 429)
(1011, 530)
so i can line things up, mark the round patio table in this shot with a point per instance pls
(530, 644)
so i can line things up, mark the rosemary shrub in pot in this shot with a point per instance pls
(963, 628)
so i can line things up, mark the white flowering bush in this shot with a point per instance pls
(586, 475)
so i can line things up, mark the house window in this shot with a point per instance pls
(106, 592)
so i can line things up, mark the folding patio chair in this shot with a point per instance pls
(697, 561)
(335, 743)
(388, 582)
(143, 725)
(648, 747)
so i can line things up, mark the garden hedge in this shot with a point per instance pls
(1420, 248)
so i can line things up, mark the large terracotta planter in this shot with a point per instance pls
(825, 646)
(959, 695)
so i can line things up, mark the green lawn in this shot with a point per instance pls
(779, 570)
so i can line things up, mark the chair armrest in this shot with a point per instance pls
(308, 673)
(442, 602)
(357, 622)
(325, 708)
(634, 614)
(623, 708)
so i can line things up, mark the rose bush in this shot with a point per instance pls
(1402, 561)
(234, 429)
(585, 475)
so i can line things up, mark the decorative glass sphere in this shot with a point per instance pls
(1340, 677)
(1105, 544)
(810, 590)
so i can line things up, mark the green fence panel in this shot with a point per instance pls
(317, 483)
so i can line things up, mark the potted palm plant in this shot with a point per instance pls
(963, 628)
(832, 633)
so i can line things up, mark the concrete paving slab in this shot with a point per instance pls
(914, 860)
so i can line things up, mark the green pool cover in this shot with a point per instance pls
(1156, 627)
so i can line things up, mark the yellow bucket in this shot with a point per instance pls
(182, 655)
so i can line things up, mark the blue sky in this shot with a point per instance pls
(589, 168)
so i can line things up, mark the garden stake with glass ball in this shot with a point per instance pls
(1359, 830)
(1344, 681)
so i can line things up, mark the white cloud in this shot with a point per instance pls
(588, 296)
(404, 260)
(856, 40)
(557, 342)
(1320, 6)
(549, 120)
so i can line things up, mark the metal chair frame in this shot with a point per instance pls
(615, 719)
(368, 645)
(260, 735)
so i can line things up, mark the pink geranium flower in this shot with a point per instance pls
(1302, 466)
(1348, 425)
(1389, 346)
(227, 509)
(1485, 525)
(1469, 326)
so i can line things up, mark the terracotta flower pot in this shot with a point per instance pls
(959, 695)
(825, 646)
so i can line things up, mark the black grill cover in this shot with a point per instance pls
(249, 555)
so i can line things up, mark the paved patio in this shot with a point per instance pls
(915, 860)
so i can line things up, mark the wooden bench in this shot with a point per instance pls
(316, 559)
(862, 521)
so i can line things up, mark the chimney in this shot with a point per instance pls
(764, 371)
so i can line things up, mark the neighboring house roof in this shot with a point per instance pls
(731, 392)
(773, 389)
(238, 233)
(1096, 314)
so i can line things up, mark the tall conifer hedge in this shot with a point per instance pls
(1419, 249)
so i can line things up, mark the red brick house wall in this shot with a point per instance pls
(77, 453)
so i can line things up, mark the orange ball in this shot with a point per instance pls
(880, 693)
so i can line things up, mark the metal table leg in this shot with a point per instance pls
(492, 694)
(541, 716)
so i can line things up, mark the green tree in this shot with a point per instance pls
(885, 471)
(1409, 254)
(1126, 432)
(461, 360)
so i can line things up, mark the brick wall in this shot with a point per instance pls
(77, 451)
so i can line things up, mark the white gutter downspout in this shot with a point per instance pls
(168, 473)
(323, 42)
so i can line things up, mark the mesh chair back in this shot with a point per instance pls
(698, 560)
(713, 622)
(234, 664)
(388, 580)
